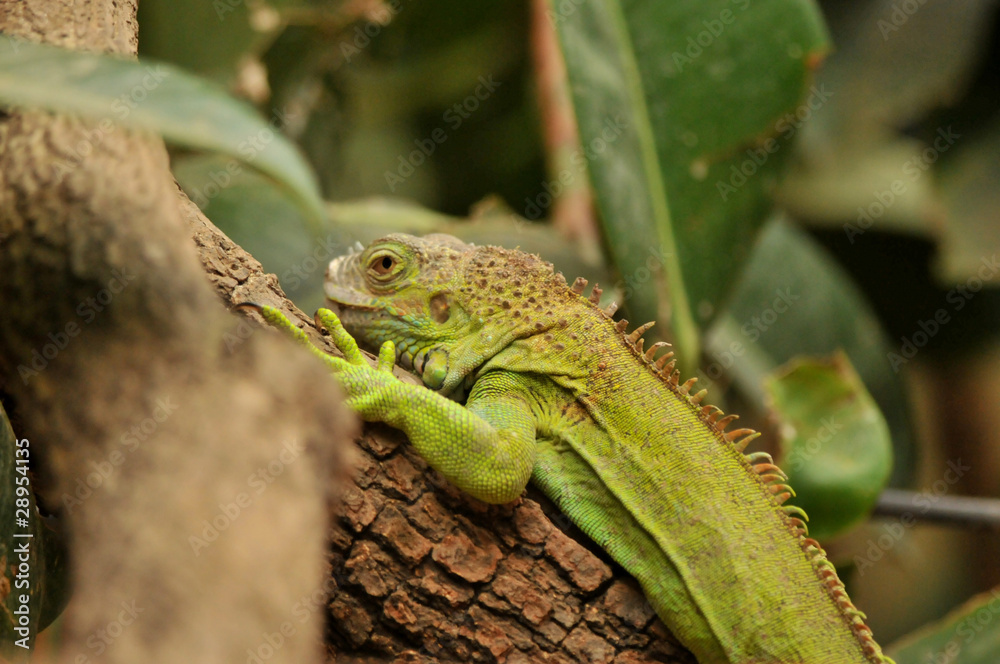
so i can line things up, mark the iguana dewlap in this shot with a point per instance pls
(558, 392)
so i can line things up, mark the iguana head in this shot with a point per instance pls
(448, 306)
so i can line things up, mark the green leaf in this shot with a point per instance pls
(793, 300)
(155, 97)
(882, 187)
(672, 100)
(968, 635)
(32, 557)
(264, 221)
(891, 70)
(836, 447)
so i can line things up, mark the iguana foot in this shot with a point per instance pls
(275, 318)
(370, 390)
(346, 344)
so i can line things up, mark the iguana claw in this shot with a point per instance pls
(349, 347)
(273, 316)
(368, 389)
(344, 342)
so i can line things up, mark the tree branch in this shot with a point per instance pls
(962, 511)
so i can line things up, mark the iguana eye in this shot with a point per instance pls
(383, 265)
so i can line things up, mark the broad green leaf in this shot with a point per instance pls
(894, 65)
(885, 187)
(33, 576)
(793, 300)
(836, 447)
(155, 97)
(264, 221)
(968, 635)
(685, 111)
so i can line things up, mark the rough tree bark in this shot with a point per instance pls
(114, 365)
(418, 571)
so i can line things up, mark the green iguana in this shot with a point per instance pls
(559, 393)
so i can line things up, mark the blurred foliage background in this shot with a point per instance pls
(772, 182)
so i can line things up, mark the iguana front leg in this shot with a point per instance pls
(485, 448)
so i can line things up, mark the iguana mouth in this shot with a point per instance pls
(344, 283)
(347, 297)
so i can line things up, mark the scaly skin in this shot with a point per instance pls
(558, 394)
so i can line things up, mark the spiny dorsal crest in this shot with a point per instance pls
(516, 267)
(773, 479)
(665, 368)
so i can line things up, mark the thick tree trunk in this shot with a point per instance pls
(114, 361)
(211, 522)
